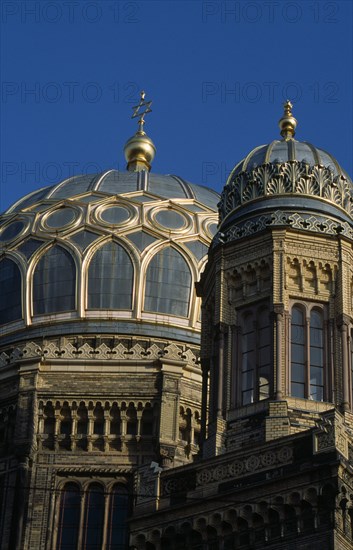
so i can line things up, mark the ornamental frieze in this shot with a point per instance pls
(232, 469)
(285, 178)
(308, 222)
(51, 350)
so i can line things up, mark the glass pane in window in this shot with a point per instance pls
(110, 278)
(264, 356)
(316, 337)
(54, 282)
(316, 319)
(168, 283)
(298, 353)
(10, 292)
(297, 316)
(247, 397)
(117, 522)
(297, 390)
(247, 380)
(297, 334)
(316, 356)
(69, 518)
(317, 375)
(317, 393)
(248, 361)
(94, 516)
(298, 372)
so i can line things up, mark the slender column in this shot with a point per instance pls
(204, 420)
(82, 519)
(105, 521)
(220, 375)
(307, 358)
(279, 332)
(344, 335)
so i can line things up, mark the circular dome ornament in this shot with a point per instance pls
(12, 230)
(170, 219)
(115, 215)
(60, 219)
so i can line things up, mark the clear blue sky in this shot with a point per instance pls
(217, 73)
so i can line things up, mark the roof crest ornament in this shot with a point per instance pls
(139, 149)
(142, 115)
(288, 123)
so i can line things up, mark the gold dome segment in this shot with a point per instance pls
(288, 123)
(140, 150)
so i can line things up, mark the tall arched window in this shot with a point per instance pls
(255, 355)
(94, 518)
(168, 283)
(117, 521)
(54, 282)
(110, 278)
(307, 354)
(10, 292)
(69, 518)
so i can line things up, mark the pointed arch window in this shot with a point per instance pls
(168, 283)
(69, 518)
(307, 354)
(10, 292)
(110, 278)
(54, 282)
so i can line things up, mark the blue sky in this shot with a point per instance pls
(217, 72)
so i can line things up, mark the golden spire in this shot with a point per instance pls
(139, 149)
(287, 123)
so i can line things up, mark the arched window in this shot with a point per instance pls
(94, 518)
(117, 521)
(10, 292)
(110, 278)
(168, 283)
(69, 518)
(255, 355)
(54, 282)
(307, 354)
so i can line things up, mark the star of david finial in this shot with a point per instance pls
(138, 112)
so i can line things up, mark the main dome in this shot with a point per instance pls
(116, 252)
(286, 182)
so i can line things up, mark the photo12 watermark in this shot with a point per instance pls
(228, 12)
(28, 12)
(33, 92)
(269, 92)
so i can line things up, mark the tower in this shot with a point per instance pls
(276, 357)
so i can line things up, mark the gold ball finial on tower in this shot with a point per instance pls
(140, 150)
(288, 123)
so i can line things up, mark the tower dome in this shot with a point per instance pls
(286, 182)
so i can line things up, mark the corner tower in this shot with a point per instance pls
(277, 295)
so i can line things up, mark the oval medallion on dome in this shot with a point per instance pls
(60, 218)
(11, 231)
(115, 215)
(170, 219)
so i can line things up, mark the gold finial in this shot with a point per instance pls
(139, 149)
(288, 123)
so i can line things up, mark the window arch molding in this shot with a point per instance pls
(33, 265)
(88, 257)
(20, 265)
(308, 351)
(146, 263)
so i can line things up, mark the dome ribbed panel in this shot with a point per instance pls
(73, 186)
(166, 186)
(117, 183)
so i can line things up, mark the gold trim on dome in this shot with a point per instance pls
(288, 123)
